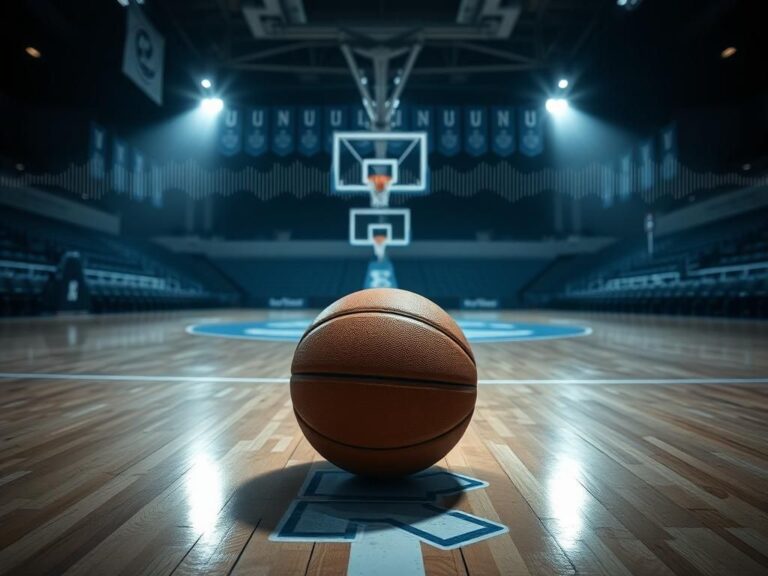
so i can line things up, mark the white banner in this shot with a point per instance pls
(144, 54)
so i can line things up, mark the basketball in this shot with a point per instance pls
(383, 383)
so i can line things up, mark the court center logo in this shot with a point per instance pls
(475, 330)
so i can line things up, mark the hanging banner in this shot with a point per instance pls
(309, 131)
(646, 166)
(256, 131)
(422, 120)
(475, 131)
(155, 186)
(503, 130)
(283, 129)
(361, 122)
(230, 131)
(399, 124)
(139, 172)
(97, 152)
(531, 131)
(119, 166)
(606, 193)
(400, 119)
(449, 131)
(335, 121)
(143, 54)
(668, 156)
(625, 169)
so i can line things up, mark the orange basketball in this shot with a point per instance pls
(383, 383)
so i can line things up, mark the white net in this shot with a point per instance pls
(380, 246)
(379, 186)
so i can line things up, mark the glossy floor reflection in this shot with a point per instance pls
(183, 473)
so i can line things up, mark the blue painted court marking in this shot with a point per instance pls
(323, 521)
(474, 330)
(336, 506)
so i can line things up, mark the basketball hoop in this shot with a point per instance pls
(379, 186)
(379, 246)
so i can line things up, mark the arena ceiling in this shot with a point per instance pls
(660, 55)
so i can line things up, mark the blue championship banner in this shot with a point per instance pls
(399, 124)
(606, 182)
(668, 156)
(475, 131)
(139, 173)
(119, 166)
(531, 132)
(97, 154)
(230, 132)
(155, 186)
(361, 122)
(256, 131)
(335, 121)
(309, 131)
(625, 168)
(449, 131)
(283, 128)
(503, 130)
(646, 165)
(422, 120)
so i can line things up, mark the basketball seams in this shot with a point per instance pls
(387, 311)
(392, 381)
(462, 422)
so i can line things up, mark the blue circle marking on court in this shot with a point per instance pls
(475, 330)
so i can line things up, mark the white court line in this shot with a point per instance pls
(138, 378)
(285, 380)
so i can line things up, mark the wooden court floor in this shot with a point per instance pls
(131, 447)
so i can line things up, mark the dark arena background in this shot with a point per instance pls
(582, 185)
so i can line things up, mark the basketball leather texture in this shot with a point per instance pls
(383, 383)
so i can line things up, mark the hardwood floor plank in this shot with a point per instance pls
(189, 476)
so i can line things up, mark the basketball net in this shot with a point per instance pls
(379, 246)
(379, 185)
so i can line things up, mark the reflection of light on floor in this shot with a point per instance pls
(204, 495)
(72, 339)
(566, 497)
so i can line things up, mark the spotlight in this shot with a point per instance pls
(206, 83)
(32, 51)
(556, 106)
(212, 106)
(728, 52)
(562, 83)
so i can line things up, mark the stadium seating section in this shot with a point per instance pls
(121, 275)
(719, 269)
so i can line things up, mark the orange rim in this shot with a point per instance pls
(379, 181)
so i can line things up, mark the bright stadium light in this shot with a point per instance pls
(212, 106)
(557, 106)
(206, 83)
(562, 83)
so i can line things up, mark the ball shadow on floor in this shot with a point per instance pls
(263, 500)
